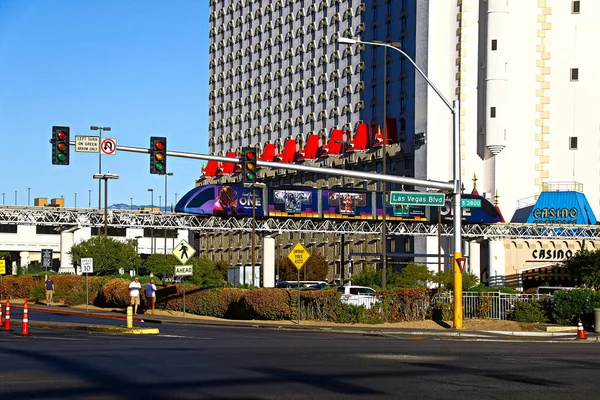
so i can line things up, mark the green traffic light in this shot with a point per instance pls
(159, 166)
(250, 176)
(61, 157)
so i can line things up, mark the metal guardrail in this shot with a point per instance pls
(491, 305)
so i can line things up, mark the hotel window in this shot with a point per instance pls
(573, 143)
(493, 112)
(574, 74)
(494, 44)
(575, 6)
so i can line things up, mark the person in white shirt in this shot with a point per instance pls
(150, 289)
(134, 292)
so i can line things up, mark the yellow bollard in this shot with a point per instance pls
(130, 317)
(458, 306)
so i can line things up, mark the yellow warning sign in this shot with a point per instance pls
(183, 252)
(298, 256)
(2, 267)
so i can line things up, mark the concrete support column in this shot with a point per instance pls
(24, 261)
(268, 262)
(497, 262)
(474, 259)
(67, 239)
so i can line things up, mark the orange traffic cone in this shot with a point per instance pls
(0, 314)
(25, 324)
(7, 318)
(580, 332)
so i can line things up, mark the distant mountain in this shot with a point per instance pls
(123, 206)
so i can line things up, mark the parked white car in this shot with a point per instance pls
(358, 295)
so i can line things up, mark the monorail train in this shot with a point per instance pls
(305, 202)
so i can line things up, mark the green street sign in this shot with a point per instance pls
(418, 199)
(470, 203)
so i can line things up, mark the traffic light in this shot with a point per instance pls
(158, 155)
(60, 145)
(249, 164)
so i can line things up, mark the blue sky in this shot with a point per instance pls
(138, 66)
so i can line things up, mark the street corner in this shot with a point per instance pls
(123, 330)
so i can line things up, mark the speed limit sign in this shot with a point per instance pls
(87, 265)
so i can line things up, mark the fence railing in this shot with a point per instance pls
(492, 305)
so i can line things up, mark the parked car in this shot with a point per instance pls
(358, 295)
(303, 284)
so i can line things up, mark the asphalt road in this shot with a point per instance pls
(194, 362)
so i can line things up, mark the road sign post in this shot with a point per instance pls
(87, 267)
(298, 256)
(184, 270)
(2, 272)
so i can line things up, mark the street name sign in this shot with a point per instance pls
(184, 270)
(87, 144)
(298, 256)
(183, 252)
(418, 199)
(87, 265)
(470, 203)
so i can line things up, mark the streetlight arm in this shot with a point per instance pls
(383, 44)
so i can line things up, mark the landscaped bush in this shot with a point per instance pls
(321, 305)
(570, 305)
(19, 287)
(114, 293)
(404, 305)
(269, 304)
(524, 311)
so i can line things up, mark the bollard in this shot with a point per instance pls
(25, 324)
(130, 317)
(7, 317)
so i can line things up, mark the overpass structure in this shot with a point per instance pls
(72, 219)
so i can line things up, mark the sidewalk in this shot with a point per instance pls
(475, 329)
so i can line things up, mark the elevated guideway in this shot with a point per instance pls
(64, 218)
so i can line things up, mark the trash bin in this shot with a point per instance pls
(597, 320)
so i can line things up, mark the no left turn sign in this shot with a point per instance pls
(108, 146)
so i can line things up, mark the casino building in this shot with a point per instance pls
(528, 103)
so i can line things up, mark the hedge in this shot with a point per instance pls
(261, 304)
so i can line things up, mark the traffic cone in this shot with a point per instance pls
(7, 318)
(580, 332)
(25, 324)
(0, 314)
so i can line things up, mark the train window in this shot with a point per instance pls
(202, 197)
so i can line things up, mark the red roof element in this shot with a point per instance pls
(474, 191)
(290, 153)
(392, 132)
(269, 153)
(313, 149)
(500, 212)
(212, 169)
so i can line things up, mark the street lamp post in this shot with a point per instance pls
(152, 229)
(100, 129)
(75, 200)
(105, 178)
(3, 196)
(28, 196)
(15, 197)
(165, 230)
(89, 198)
(454, 108)
(131, 203)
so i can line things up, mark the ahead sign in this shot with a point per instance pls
(184, 270)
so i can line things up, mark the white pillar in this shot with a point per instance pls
(67, 239)
(474, 259)
(497, 262)
(24, 261)
(268, 262)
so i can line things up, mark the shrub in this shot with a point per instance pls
(442, 311)
(268, 304)
(322, 305)
(569, 305)
(404, 305)
(524, 311)
(114, 293)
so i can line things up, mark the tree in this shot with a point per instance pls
(585, 266)
(445, 280)
(109, 254)
(413, 276)
(206, 273)
(161, 265)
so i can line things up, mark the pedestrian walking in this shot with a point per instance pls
(150, 289)
(49, 284)
(134, 292)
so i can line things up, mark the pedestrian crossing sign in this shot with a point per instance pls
(183, 252)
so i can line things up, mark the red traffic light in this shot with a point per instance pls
(62, 135)
(159, 145)
(250, 155)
